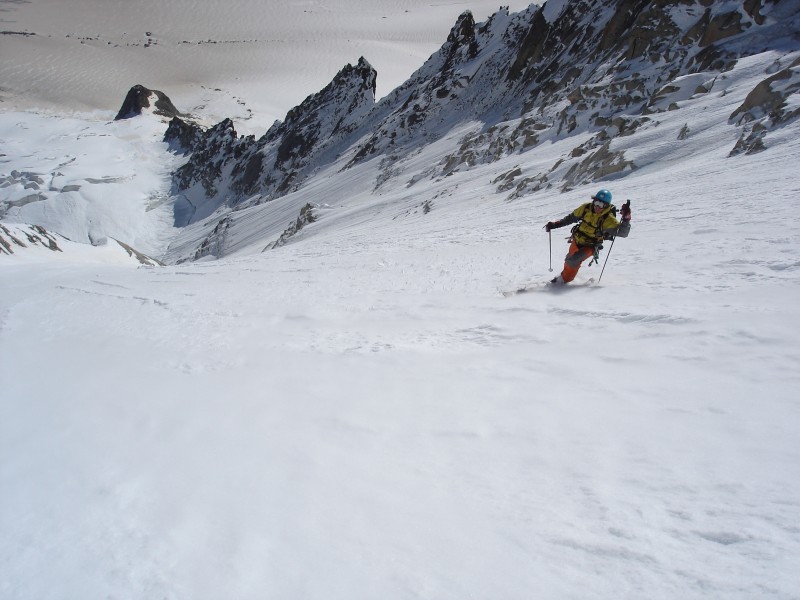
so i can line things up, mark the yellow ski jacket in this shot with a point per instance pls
(593, 227)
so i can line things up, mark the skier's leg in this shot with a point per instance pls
(573, 261)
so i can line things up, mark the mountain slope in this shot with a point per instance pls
(344, 405)
(224, 167)
(88, 179)
(590, 75)
(362, 415)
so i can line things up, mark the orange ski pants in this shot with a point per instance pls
(575, 256)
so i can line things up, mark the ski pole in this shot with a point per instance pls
(614, 239)
(550, 234)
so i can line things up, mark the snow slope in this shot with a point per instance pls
(360, 413)
(88, 178)
(363, 415)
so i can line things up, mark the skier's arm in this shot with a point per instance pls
(568, 220)
(616, 229)
(612, 228)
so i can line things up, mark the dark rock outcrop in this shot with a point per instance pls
(140, 98)
(766, 108)
(280, 160)
(214, 153)
(305, 217)
(182, 136)
(769, 98)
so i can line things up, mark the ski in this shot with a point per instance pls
(547, 285)
(530, 287)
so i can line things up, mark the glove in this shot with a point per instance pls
(625, 211)
(550, 225)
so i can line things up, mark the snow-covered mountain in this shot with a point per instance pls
(224, 166)
(598, 77)
(323, 393)
(590, 72)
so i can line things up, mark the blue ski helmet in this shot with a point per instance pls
(603, 195)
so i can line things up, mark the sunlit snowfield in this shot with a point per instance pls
(362, 414)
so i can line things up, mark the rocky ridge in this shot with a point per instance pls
(592, 71)
(226, 168)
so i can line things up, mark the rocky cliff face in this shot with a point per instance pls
(592, 70)
(771, 105)
(225, 169)
(606, 68)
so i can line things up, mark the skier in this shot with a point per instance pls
(595, 223)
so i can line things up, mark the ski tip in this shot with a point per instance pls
(529, 287)
(509, 293)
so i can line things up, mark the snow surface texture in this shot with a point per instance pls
(251, 60)
(360, 413)
(88, 180)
